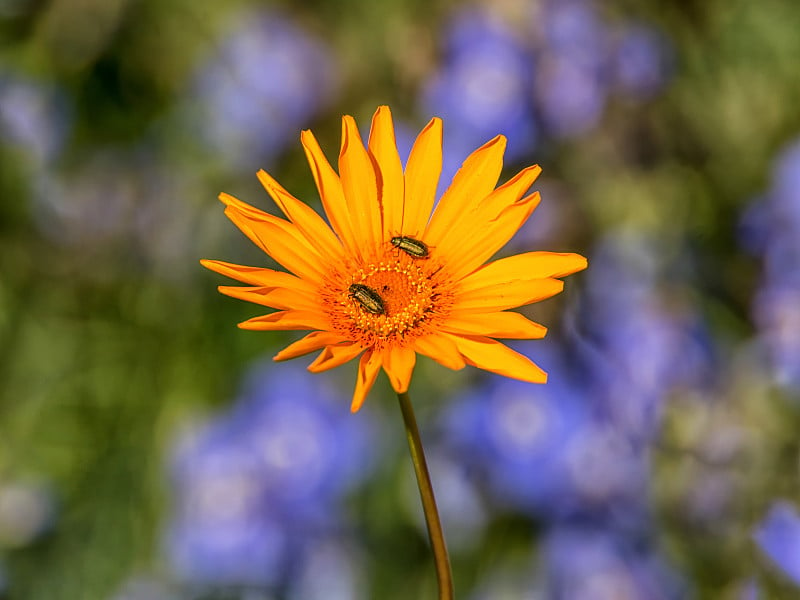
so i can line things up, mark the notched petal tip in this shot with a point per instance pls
(498, 139)
(227, 199)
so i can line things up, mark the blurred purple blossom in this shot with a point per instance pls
(310, 449)
(329, 571)
(225, 529)
(482, 89)
(571, 82)
(267, 82)
(639, 347)
(553, 77)
(770, 227)
(591, 563)
(571, 98)
(34, 116)
(540, 450)
(770, 224)
(785, 193)
(641, 61)
(778, 536)
(257, 485)
(777, 314)
(574, 30)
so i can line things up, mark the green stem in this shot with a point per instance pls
(432, 520)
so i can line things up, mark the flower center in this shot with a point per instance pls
(389, 299)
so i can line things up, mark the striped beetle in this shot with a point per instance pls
(367, 298)
(410, 246)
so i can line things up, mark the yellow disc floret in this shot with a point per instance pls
(413, 294)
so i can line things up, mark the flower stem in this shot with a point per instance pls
(432, 520)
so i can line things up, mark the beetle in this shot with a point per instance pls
(368, 298)
(410, 246)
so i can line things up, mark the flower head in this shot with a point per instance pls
(388, 279)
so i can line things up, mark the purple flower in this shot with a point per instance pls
(571, 83)
(541, 450)
(224, 530)
(571, 97)
(778, 536)
(256, 486)
(269, 79)
(638, 348)
(573, 30)
(33, 116)
(589, 563)
(771, 223)
(309, 449)
(771, 227)
(777, 313)
(641, 62)
(785, 192)
(329, 571)
(482, 89)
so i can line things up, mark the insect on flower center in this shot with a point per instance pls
(390, 298)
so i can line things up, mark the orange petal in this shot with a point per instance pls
(330, 191)
(527, 266)
(287, 320)
(471, 227)
(360, 182)
(441, 349)
(511, 191)
(508, 325)
(257, 275)
(274, 297)
(383, 147)
(507, 295)
(422, 178)
(491, 355)
(472, 183)
(399, 365)
(493, 236)
(368, 368)
(310, 343)
(333, 356)
(282, 241)
(310, 224)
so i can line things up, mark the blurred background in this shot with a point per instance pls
(150, 450)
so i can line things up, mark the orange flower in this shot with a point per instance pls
(386, 280)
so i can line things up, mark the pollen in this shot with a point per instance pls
(415, 295)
